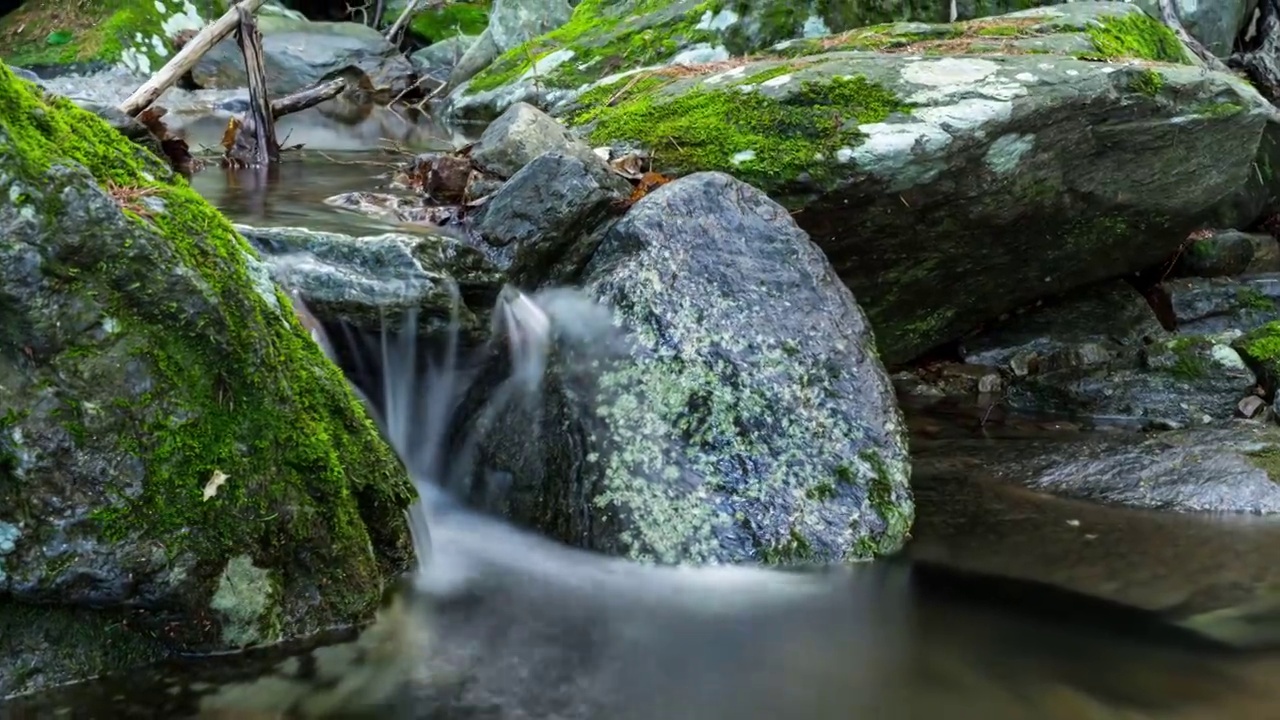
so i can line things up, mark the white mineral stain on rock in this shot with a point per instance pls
(548, 62)
(742, 157)
(777, 81)
(9, 534)
(136, 61)
(719, 21)
(701, 54)
(243, 595)
(814, 26)
(1073, 72)
(186, 18)
(902, 154)
(1006, 152)
(949, 72)
(1026, 77)
(1228, 358)
(726, 75)
(970, 114)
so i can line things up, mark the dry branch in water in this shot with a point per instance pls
(254, 142)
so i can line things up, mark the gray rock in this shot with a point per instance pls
(364, 282)
(545, 222)
(1215, 24)
(1104, 325)
(1221, 304)
(739, 414)
(444, 54)
(521, 134)
(1229, 252)
(300, 53)
(170, 439)
(477, 57)
(1230, 468)
(515, 22)
(993, 177)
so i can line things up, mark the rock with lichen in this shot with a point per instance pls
(721, 399)
(181, 468)
(1005, 160)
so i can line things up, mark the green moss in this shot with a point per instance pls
(1136, 35)
(94, 31)
(769, 142)
(1218, 109)
(238, 389)
(1147, 82)
(1263, 344)
(794, 550)
(887, 498)
(1000, 31)
(1268, 461)
(456, 18)
(605, 37)
(1250, 298)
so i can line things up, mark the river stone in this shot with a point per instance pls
(994, 177)
(1229, 468)
(299, 53)
(544, 223)
(521, 134)
(1222, 304)
(736, 412)
(1229, 252)
(366, 282)
(164, 413)
(1104, 325)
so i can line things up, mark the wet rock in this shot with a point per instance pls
(512, 23)
(300, 53)
(1228, 468)
(398, 208)
(1104, 325)
(1214, 305)
(364, 282)
(1229, 252)
(545, 222)
(177, 455)
(438, 59)
(521, 134)
(24, 74)
(974, 174)
(1183, 381)
(1215, 24)
(944, 380)
(739, 413)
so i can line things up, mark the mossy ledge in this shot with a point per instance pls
(235, 385)
(776, 143)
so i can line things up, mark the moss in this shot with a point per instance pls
(458, 18)
(1135, 35)
(94, 31)
(1147, 82)
(886, 497)
(1000, 31)
(604, 37)
(1267, 460)
(1250, 298)
(1217, 109)
(767, 141)
(239, 388)
(795, 549)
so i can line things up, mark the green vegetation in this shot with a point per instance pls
(1147, 82)
(459, 18)
(235, 385)
(761, 139)
(1136, 35)
(82, 31)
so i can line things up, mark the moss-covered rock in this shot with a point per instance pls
(138, 34)
(994, 176)
(175, 447)
(459, 18)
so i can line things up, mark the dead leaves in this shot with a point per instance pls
(217, 480)
(636, 167)
(130, 198)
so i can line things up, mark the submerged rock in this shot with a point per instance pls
(300, 53)
(992, 176)
(1232, 468)
(366, 282)
(739, 413)
(175, 452)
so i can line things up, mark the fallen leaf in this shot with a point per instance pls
(215, 482)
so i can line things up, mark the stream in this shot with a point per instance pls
(980, 648)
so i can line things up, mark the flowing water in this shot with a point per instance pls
(501, 624)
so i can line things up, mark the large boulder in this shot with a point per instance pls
(63, 36)
(181, 468)
(300, 53)
(1216, 24)
(1002, 178)
(740, 413)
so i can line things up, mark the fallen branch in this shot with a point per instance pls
(1169, 14)
(306, 98)
(186, 58)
